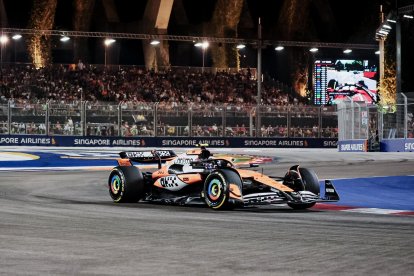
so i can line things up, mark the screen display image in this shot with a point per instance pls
(337, 80)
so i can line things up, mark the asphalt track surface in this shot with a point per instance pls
(64, 223)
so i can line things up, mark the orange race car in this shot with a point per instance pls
(197, 178)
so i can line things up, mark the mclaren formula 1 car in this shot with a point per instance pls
(197, 178)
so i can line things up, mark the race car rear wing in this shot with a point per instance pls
(148, 156)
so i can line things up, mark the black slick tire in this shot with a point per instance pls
(311, 183)
(217, 186)
(126, 184)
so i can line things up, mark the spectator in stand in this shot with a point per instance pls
(134, 130)
(130, 84)
(125, 129)
(80, 65)
(243, 130)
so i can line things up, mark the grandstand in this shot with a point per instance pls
(132, 101)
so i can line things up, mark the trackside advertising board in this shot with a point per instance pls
(397, 145)
(98, 141)
(353, 145)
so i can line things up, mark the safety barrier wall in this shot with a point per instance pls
(98, 141)
(397, 145)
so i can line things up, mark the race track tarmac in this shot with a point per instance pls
(64, 223)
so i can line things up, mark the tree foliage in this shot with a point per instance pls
(41, 18)
(388, 85)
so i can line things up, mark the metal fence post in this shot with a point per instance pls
(251, 120)
(47, 115)
(288, 122)
(190, 120)
(9, 117)
(352, 120)
(83, 117)
(380, 125)
(119, 119)
(223, 120)
(156, 119)
(405, 115)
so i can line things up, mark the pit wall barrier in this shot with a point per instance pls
(397, 145)
(99, 141)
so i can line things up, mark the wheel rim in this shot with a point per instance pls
(214, 190)
(115, 184)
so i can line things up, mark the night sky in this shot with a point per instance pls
(355, 22)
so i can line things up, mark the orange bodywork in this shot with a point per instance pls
(259, 177)
(235, 191)
(124, 162)
(190, 178)
(158, 184)
(160, 173)
(194, 152)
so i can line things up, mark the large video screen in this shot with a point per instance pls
(336, 80)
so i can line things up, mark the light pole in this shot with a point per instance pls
(155, 43)
(383, 31)
(239, 47)
(16, 38)
(107, 43)
(381, 35)
(203, 45)
(3, 41)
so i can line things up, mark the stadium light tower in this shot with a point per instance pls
(64, 38)
(203, 45)
(108, 42)
(395, 17)
(3, 41)
(16, 38)
(155, 42)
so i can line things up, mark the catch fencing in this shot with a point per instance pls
(138, 119)
(364, 127)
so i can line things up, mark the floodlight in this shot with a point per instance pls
(109, 41)
(64, 38)
(4, 39)
(17, 36)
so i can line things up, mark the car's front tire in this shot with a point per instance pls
(216, 188)
(311, 183)
(126, 184)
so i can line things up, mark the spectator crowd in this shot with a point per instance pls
(63, 83)
(134, 88)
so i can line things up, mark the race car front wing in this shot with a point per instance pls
(301, 197)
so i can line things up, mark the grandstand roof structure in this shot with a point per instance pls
(168, 37)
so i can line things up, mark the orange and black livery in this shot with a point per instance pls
(196, 177)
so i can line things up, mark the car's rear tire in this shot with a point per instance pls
(311, 184)
(216, 188)
(126, 184)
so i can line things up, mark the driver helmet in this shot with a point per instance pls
(204, 154)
